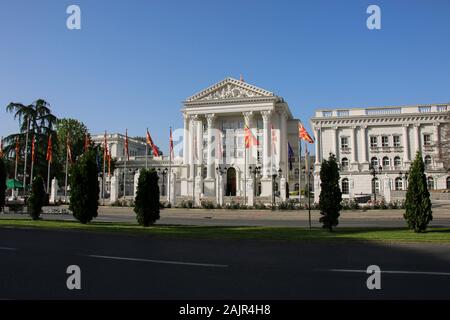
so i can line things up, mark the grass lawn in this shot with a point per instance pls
(269, 233)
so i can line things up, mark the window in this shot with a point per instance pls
(396, 141)
(448, 182)
(386, 162)
(398, 184)
(385, 141)
(344, 142)
(428, 160)
(373, 142)
(374, 162)
(427, 140)
(430, 183)
(397, 162)
(344, 163)
(345, 187)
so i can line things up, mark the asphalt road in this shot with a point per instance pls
(33, 265)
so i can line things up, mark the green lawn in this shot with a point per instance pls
(268, 233)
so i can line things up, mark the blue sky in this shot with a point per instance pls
(134, 62)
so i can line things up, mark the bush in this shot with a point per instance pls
(207, 204)
(147, 205)
(330, 195)
(84, 187)
(2, 183)
(350, 204)
(37, 198)
(260, 206)
(188, 204)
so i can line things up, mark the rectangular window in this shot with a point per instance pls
(396, 141)
(373, 142)
(427, 140)
(344, 142)
(385, 141)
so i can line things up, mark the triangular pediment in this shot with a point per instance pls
(230, 88)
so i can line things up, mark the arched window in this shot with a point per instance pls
(428, 160)
(386, 162)
(430, 183)
(398, 183)
(397, 161)
(448, 182)
(345, 187)
(374, 161)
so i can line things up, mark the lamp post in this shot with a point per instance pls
(256, 170)
(374, 171)
(274, 176)
(404, 177)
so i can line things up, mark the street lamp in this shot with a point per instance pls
(374, 171)
(163, 173)
(404, 176)
(274, 176)
(256, 170)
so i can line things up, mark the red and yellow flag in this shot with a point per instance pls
(49, 156)
(127, 152)
(105, 146)
(249, 138)
(274, 140)
(152, 145)
(1, 147)
(87, 142)
(33, 151)
(303, 134)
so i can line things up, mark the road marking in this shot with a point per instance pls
(430, 273)
(162, 261)
(6, 248)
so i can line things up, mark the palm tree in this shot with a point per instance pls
(35, 119)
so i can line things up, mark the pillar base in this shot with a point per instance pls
(266, 187)
(210, 187)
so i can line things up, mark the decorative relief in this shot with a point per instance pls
(230, 91)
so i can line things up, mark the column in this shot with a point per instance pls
(283, 143)
(335, 144)
(417, 138)
(266, 143)
(364, 143)
(210, 161)
(317, 145)
(192, 122)
(248, 118)
(406, 158)
(186, 139)
(437, 141)
(353, 146)
(200, 146)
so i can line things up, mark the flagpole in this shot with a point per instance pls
(104, 170)
(299, 169)
(26, 153)
(170, 163)
(48, 176)
(32, 168)
(245, 174)
(307, 170)
(15, 169)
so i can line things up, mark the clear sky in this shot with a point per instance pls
(134, 62)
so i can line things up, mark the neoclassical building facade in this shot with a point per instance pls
(375, 146)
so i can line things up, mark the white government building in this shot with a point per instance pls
(385, 138)
(213, 163)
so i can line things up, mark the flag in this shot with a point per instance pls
(290, 156)
(249, 138)
(49, 156)
(127, 152)
(87, 142)
(1, 147)
(109, 164)
(32, 149)
(152, 145)
(69, 150)
(274, 141)
(171, 144)
(105, 146)
(303, 134)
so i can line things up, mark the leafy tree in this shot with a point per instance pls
(418, 204)
(84, 187)
(77, 132)
(330, 195)
(38, 120)
(2, 183)
(37, 198)
(147, 198)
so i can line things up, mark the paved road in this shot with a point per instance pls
(34, 262)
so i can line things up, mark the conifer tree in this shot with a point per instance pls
(418, 204)
(37, 198)
(147, 198)
(330, 194)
